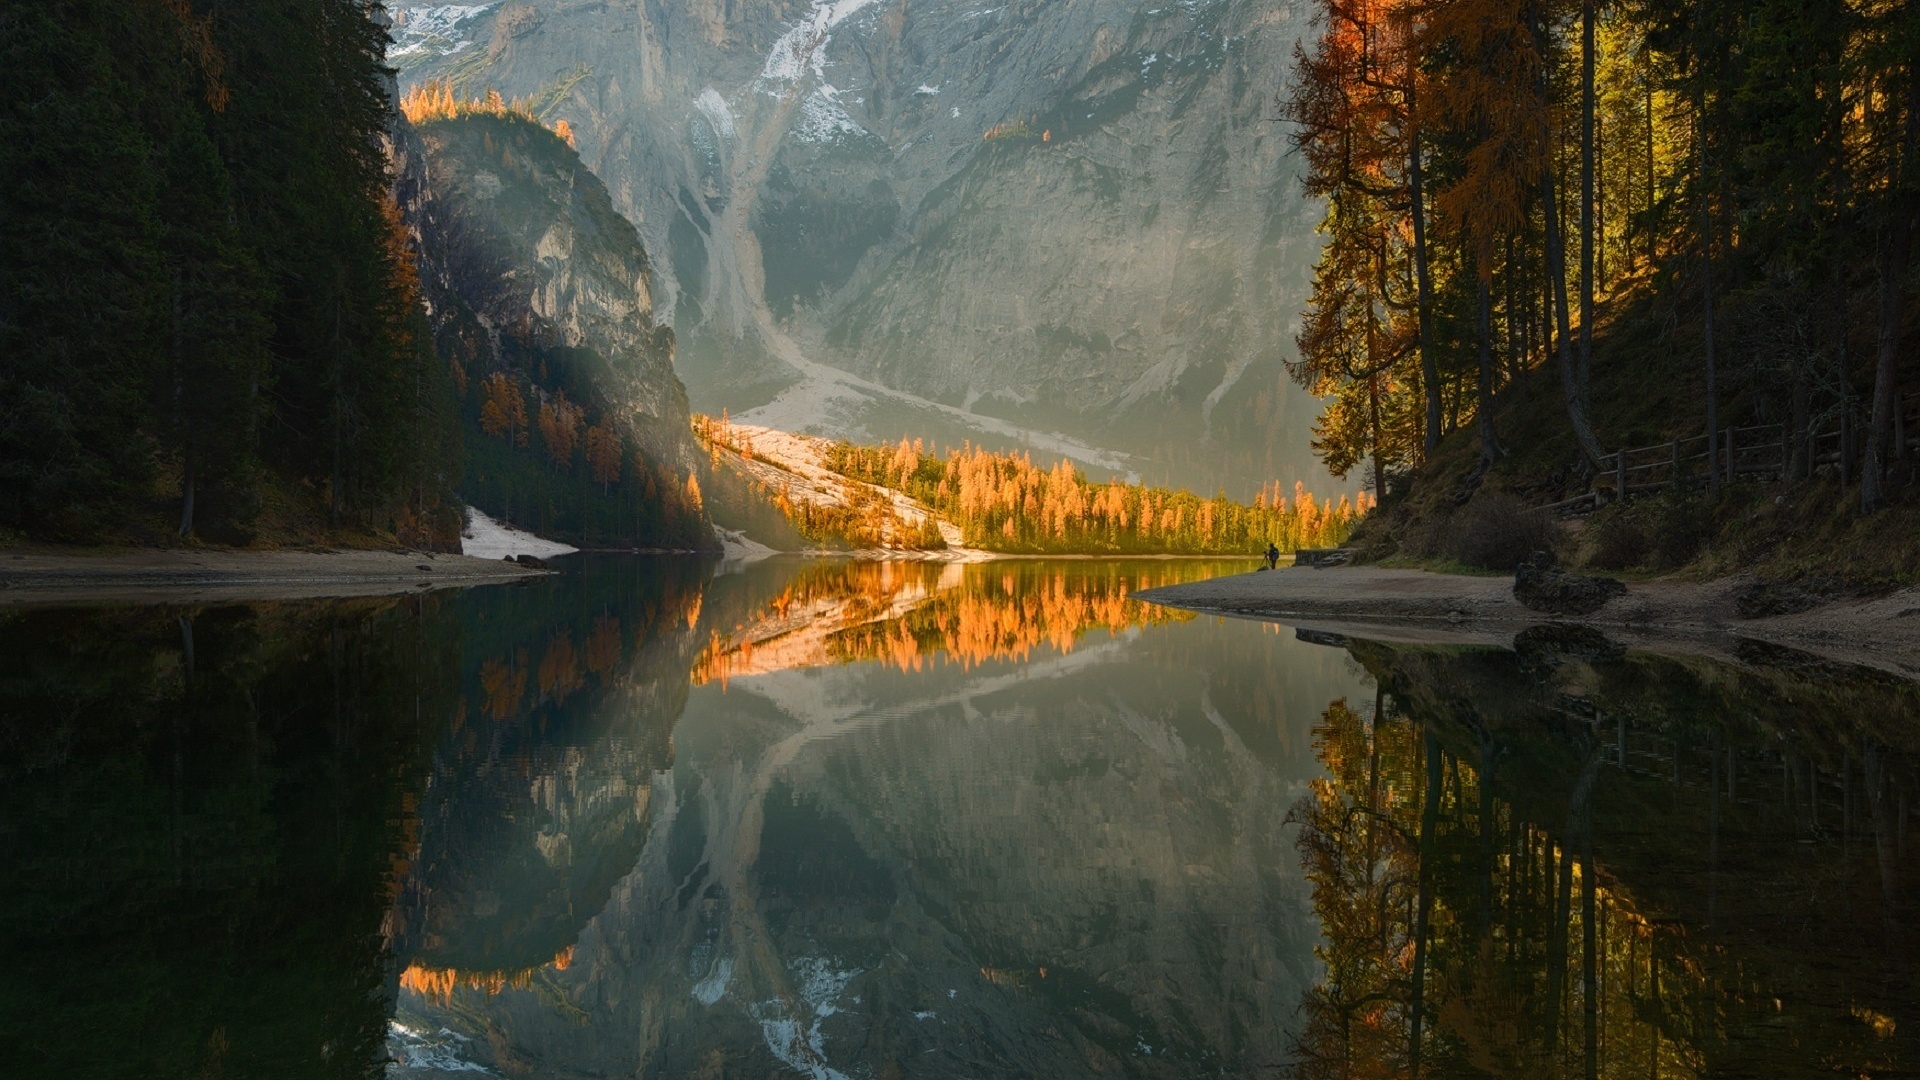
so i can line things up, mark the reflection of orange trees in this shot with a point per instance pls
(1498, 973)
(1004, 502)
(438, 984)
(503, 683)
(603, 646)
(907, 614)
(560, 669)
(1358, 861)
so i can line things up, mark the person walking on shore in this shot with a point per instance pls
(1273, 556)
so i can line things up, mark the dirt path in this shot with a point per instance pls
(1418, 605)
(39, 576)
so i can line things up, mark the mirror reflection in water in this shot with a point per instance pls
(826, 818)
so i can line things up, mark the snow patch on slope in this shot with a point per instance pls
(485, 538)
(803, 47)
(714, 108)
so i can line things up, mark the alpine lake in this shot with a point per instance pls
(817, 818)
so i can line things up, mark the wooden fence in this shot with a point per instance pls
(1759, 452)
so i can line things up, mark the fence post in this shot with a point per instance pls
(1620, 476)
(1731, 458)
(1676, 464)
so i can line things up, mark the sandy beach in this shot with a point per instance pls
(1419, 605)
(40, 576)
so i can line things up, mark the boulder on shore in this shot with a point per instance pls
(1541, 585)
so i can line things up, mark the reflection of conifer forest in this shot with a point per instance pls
(1635, 867)
(909, 614)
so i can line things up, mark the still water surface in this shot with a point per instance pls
(829, 819)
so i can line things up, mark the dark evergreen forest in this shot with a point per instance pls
(209, 317)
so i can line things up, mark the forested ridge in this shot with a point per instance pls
(1670, 219)
(209, 315)
(1001, 501)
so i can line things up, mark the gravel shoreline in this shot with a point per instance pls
(46, 576)
(1420, 605)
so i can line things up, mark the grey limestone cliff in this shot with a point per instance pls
(540, 298)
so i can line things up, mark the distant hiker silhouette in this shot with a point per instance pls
(1273, 556)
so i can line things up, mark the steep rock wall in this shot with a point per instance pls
(540, 296)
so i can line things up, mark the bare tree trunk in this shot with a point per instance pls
(1515, 361)
(1706, 277)
(1423, 299)
(1589, 954)
(1429, 820)
(181, 426)
(1801, 466)
(1570, 387)
(1490, 450)
(1886, 369)
(1586, 195)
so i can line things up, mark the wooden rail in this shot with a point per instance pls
(1761, 451)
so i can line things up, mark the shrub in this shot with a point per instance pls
(1619, 544)
(1496, 531)
(1685, 526)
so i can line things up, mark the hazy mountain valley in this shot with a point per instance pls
(1069, 226)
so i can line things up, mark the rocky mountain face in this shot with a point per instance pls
(540, 298)
(1063, 223)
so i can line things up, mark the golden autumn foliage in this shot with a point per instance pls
(1004, 502)
(503, 410)
(603, 454)
(560, 422)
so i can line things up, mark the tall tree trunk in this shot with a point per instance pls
(1893, 301)
(1706, 280)
(1652, 172)
(1423, 280)
(180, 408)
(1490, 450)
(1589, 953)
(1586, 196)
(1570, 387)
(1423, 911)
(1515, 363)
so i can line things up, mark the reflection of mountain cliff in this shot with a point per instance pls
(538, 797)
(1068, 862)
(1574, 862)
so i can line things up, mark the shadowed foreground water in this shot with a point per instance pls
(873, 820)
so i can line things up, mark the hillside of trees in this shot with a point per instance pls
(208, 311)
(1556, 231)
(1003, 502)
